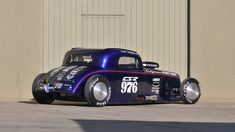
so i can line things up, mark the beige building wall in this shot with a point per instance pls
(155, 28)
(213, 46)
(35, 34)
(20, 42)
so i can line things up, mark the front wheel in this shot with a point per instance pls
(97, 91)
(190, 91)
(39, 93)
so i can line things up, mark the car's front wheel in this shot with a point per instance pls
(97, 90)
(190, 91)
(39, 93)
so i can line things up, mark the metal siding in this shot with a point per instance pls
(154, 28)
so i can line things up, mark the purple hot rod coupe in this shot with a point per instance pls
(112, 76)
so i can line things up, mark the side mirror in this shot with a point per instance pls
(150, 65)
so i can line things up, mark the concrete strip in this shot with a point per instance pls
(27, 116)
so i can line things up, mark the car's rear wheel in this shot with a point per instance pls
(39, 93)
(97, 90)
(190, 91)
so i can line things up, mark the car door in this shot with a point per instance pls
(130, 79)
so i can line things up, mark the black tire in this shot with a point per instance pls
(39, 94)
(190, 96)
(93, 97)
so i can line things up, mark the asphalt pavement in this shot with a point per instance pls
(28, 116)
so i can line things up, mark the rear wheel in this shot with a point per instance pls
(97, 91)
(190, 91)
(39, 93)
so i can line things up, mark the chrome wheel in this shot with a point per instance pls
(192, 91)
(100, 91)
(97, 91)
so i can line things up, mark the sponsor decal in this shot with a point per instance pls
(152, 97)
(74, 72)
(129, 85)
(58, 85)
(63, 72)
(169, 73)
(156, 85)
(60, 76)
(69, 68)
(150, 70)
(150, 65)
(56, 70)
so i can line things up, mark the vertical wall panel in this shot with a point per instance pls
(139, 25)
(150, 30)
(161, 33)
(183, 39)
(172, 35)
(144, 36)
(177, 36)
(154, 28)
(45, 36)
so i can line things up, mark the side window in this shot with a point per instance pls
(126, 62)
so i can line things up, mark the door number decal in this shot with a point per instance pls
(129, 85)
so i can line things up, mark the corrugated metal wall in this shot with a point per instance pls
(154, 28)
